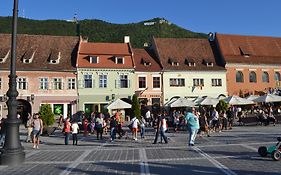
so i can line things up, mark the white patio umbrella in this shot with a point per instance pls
(235, 100)
(182, 102)
(118, 104)
(252, 97)
(268, 98)
(210, 101)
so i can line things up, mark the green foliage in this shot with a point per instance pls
(101, 31)
(46, 114)
(136, 111)
(222, 106)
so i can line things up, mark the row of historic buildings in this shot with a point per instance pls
(73, 74)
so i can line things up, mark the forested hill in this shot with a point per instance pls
(101, 31)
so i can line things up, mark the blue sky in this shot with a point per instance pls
(244, 17)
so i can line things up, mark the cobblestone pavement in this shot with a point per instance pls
(231, 152)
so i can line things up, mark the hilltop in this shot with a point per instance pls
(101, 31)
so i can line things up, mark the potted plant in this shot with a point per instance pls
(48, 118)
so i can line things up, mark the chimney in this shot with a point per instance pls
(126, 39)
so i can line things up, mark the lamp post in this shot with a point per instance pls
(12, 152)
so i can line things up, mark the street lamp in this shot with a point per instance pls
(12, 152)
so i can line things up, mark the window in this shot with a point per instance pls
(88, 81)
(0, 83)
(57, 83)
(103, 81)
(253, 77)
(216, 82)
(94, 59)
(177, 82)
(265, 77)
(142, 82)
(239, 77)
(22, 83)
(156, 82)
(198, 82)
(58, 109)
(43, 83)
(124, 82)
(276, 76)
(71, 83)
(119, 60)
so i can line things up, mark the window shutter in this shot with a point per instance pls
(129, 84)
(93, 83)
(81, 84)
(117, 83)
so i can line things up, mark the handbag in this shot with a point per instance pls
(130, 126)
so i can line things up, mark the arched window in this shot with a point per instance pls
(277, 76)
(253, 77)
(265, 77)
(239, 77)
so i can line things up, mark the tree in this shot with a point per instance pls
(136, 111)
(46, 114)
(222, 106)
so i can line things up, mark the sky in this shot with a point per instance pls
(242, 17)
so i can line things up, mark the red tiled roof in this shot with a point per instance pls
(106, 53)
(145, 60)
(184, 50)
(258, 49)
(43, 47)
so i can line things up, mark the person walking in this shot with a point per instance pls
(160, 128)
(193, 126)
(135, 122)
(67, 130)
(75, 131)
(37, 130)
(29, 128)
(99, 126)
(113, 126)
(142, 127)
(2, 131)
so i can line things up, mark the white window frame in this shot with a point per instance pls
(71, 83)
(198, 82)
(103, 82)
(177, 82)
(128, 82)
(216, 82)
(117, 58)
(57, 85)
(92, 59)
(90, 78)
(43, 84)
(22, 85)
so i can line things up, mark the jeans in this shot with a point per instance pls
(2, 139)
(192, 135)
(112, 133)
(163, 136)
(66, 138)
(142, 131)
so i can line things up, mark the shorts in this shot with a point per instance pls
(36, 133)
(135, 129)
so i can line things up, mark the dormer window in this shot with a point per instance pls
(3, 58)
(119, 60)
(244, 52)
(28, 57)
(94, 59)
(145, 63)
(173, 62)
(54, 57)
(190, 62)
(208, 63)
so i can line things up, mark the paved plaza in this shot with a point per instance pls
(230, 152)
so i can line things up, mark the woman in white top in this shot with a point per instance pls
(135, 122)
(75, 131)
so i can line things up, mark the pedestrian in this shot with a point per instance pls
(148, 117)
(163, 129)
(135, 122)
(113, 126)
(37, 130)
(29, 128)
(99, 126)
(142, 127)
(160, 128)
(66, 130)
(85, 127)
(75, 131)
(2, 131)
(203, 122)
(193, 126)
